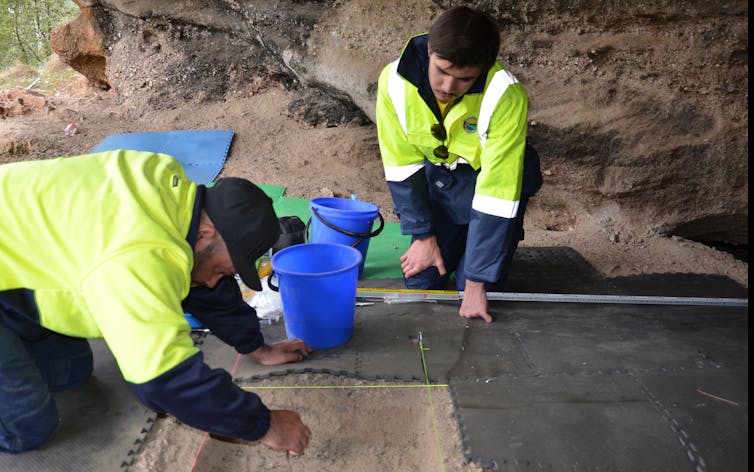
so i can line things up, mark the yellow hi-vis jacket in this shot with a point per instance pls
(486, 129)
(95, 246)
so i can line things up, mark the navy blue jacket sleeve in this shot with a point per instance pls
(493, 239)
(412, 206)
(206, 399)
(489, 242)
(223, 311)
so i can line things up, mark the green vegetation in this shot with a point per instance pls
(25, 54)
(25, 27)
(48, 78)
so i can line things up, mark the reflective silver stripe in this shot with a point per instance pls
(396, 88)
(495, 206)
(498, 85)
(452, 165)
(401, 173)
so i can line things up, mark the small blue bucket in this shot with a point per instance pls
(344, 221)
(317, 284)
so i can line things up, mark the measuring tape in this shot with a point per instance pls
(396, 295)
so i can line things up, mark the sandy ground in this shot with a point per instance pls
(272, 148)
(357, 425)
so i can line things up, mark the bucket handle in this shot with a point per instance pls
(360, 236)
(274, 288)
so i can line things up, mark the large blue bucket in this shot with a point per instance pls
(344, 221)
(317, 284)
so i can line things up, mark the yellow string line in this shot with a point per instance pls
(431, 402)
(318, 387)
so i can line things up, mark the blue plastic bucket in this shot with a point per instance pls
(317, 284)
(344, 221)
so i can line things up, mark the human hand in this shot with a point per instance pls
(474, 303)
(289, 350)
(287, 432)
(422, 254)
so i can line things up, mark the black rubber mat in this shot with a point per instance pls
(551, 270)
(535, 270)
(676, 285)
(563, 270)
(576, 387)
(384, 345)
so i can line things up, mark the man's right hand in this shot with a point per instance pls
(421, 255)
(287, 350)
(287, 432)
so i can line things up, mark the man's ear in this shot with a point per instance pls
(206, 230)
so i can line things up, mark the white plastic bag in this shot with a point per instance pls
(267, 303)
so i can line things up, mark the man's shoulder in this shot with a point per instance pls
(501, 82)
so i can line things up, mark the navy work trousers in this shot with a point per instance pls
(30, 370)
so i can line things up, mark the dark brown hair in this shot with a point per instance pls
(465, 37)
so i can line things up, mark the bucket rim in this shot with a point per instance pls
(307, 246)
(360, 206)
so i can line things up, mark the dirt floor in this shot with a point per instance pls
(347, 417)
(271, 147)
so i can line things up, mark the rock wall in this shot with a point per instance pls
(639, 109)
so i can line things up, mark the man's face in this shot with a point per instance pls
(449, 82)
(211, 263)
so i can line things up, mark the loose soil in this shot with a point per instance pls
(357, 425)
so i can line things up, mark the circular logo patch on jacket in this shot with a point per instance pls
(469, 124)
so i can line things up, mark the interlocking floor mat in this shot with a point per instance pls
(201, 152)
(607, 387)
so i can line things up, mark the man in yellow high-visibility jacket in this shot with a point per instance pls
(118, 245)
(452, 125)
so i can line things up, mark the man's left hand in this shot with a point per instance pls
(290, 350)
(474, 303)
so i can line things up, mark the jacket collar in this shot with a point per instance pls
(193, 231)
